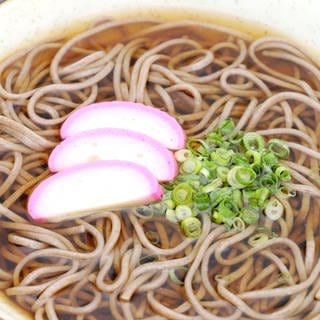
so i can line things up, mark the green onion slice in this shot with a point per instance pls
(283, 173)
(192, 165)
(214, 184)
(171, 215)
(226, 127)
(198, 147)
(182, 194)
(182, 212)
(222, 173)
(249, 215)
(285, 192)
(274, 209)
(182, 155)
(279, 148)
(201, 201)
(191, 227)
(253, 141)
(221, 156)
(240, 177)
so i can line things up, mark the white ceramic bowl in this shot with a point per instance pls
(26, 22)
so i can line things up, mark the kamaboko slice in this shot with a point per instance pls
(137, 117)
(114, 144)
(92, 187)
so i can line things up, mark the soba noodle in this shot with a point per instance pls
(126, 265)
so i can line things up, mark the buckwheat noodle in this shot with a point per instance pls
(119, 265)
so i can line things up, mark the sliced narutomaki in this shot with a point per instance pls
(114, 144)
(91, 187)
(126, 115)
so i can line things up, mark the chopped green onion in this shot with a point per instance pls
(240, 160)
(283, 173)
(192, 165)
(270, 181)
(201, 201)
(182, 194)
(237, 197)
(262, 195)
(222, 173)
(254, 157)
(274, 209)
(195, 144)
(225, 212)
(169, 204)
(240, 177)
(171, 215)
(214, 139)
(285, 192)
(269, 159)
(226, 127)
(279, 148)
(182, 155)
(205, 172)
(191, 227)
(209, 165)
(182, 212)
(228, 208)
(216, 183)
(253, 141)
(221, 156)
(258, 238)
(238, 224)
(217, 195)
(216, 217)
(249, 215)
(236, 138)
(231, 175)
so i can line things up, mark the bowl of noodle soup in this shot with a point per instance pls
(201, 68)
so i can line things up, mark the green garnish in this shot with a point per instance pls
(234, 177)
(191, 227)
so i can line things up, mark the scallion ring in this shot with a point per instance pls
(240, 177)
(191, 227)
(283, 173)
(182, 193)
(182, 155)
(226, 127)
(191, 165)
(183, 212)
(253, 141)
(279, 148)
(171, 215)
(285, 192)
(274, 209)
(249, 215)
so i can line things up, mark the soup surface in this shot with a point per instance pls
(125, 265)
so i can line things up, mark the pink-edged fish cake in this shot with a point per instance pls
(114, 144)
(92, 187)
(137, 117)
